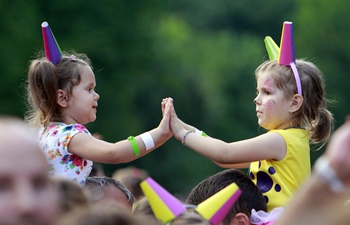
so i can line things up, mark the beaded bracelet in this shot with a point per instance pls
(184, 138)
(134, 145)
(325, 170)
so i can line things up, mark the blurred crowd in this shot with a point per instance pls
(28, 195)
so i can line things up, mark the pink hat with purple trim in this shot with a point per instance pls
(286, 53)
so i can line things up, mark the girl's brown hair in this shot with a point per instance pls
(313, 114)
(44, 80)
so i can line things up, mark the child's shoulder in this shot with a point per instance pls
(289, 131)
(59, 127)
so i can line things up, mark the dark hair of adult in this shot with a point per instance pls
(251, 197)
(97, 186)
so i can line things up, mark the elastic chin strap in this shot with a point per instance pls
(297, 78)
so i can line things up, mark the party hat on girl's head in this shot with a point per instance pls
(215, 208)
(52, 50)
(272, 49)
(287, 54)
(164, 205)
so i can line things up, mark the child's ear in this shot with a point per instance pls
(297, 102)
(240, 219)
(62, 98)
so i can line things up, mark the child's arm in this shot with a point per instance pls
(233, 166)
(266, 146)
(101, 151)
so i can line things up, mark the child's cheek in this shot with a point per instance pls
(269, 103)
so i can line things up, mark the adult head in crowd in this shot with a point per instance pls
(27, 195)
(251, 197)
(108, 191)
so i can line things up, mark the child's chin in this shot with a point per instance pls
(264, 126)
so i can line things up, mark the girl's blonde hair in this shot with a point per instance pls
(44, 80)
(313, 114)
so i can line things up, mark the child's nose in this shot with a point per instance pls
(97, 96)
(256, 100)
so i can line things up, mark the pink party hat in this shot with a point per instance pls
(287, 54)
(164, 205)
(272, 48)
(215, 208)
(52, 49)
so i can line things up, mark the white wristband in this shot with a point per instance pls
(200, 133)
(147, 140)
(324, 169)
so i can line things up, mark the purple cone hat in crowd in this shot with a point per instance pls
(166, 207)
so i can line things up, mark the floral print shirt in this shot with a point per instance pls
(54, 141)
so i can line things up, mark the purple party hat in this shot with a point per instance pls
(287, 53)
(164, 205)
(52, 49)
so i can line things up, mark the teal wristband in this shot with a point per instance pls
(134, 145)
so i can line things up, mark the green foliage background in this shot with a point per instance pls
(203, 53)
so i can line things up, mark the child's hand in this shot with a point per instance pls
(163, 103)
(164, 125)
(176, 124)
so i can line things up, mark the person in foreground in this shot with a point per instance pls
(323, 199)
(291, 105)
(62, 99)
(101, 215)
(27, 195)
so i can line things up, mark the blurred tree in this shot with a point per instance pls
(325, 42)
(254, 17)
(321, 30)
(15, 43)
